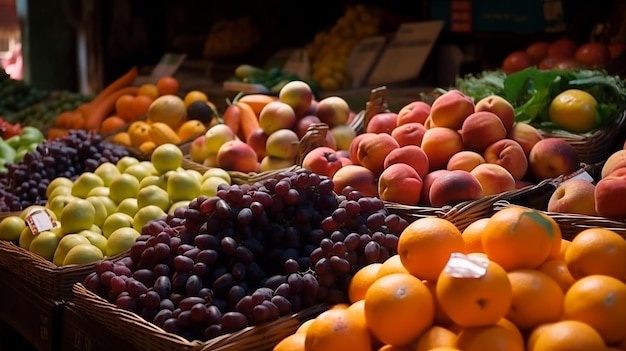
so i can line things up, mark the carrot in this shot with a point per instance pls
(257, 101)
(249, 121)
(121, 82)
(232, 117)
(98, 112)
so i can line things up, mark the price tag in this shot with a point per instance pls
(463, 266)
(39, 220)
(298, 63)
(405, 55)
(167, 66)
(580, 174)
(363, 57)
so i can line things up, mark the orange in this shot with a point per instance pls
(425, 246)
(122, 138)
(518, 237)
(140, 105)
(112, 123)
(537, 299)
(337, 329)
(358, 309)
(472, 235)
(304, 326)
(190, 129)
(293, 342)
(557, 270)
(391, 265)
(436, 336)
(445, 348)
(573, 110)
(491, 337)
(474, 300)
(139, 131)
(195, 95)
(441, 318)
(531, 339)
(124, 106)
(597, 251)
(564, 245)
(167, 85)
(150, 90)
(396, 348)
(568, 335)
(147, 146)
(600, 301)
(398, 309)
(362, 280)
(503, 322)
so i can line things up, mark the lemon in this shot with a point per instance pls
(195, 95)
(574, 110)
(168, 109)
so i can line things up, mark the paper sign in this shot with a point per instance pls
(39, 221)
(580, 174)
(298, 63)
(405, 55)
(167, 66)
(363, 57)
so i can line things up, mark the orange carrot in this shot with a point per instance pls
(249, 122)
(123, 81)
(257, 101)
(232, 117)
(98, 112)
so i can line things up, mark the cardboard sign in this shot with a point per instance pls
(167, 67)
(363, 57)
(405, 55)
(298, 63)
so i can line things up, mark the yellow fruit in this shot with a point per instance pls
(82, 254)
(166, 157)
(574, 110)
(168, 109)
(195, 95)
(161, 133)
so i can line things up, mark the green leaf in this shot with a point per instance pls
(542, 221)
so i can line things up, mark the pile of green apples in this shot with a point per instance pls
(13, 149)
(101, 213)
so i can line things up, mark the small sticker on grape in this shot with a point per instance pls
(39, 221)
(464, 266)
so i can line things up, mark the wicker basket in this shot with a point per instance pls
(147, 336)
(48, 279)
(594, 147)
(571, 224)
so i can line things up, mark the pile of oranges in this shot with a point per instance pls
(563, 53)
(506, 282)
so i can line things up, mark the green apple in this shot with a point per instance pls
(107, 171)
(82, 254)
(60, 190)
(209, 186)
(77, 215)
(153, 180)
(123, 186)
(96, 229)
(153, 195)
(166, 157)
(181, 185)
(99, 191)
(121, 240)
(11, 227)
(126, 161)
(58, 181)
(194, 173)
(216, 136)
(67, 242)
(109, 204)
(45, 244)
(129, 206)
(139, 171)
(147, 214)
(217, 172)
(26, 237)
(96, 239)
(101, 210)
(58, 203)
(115, 221)
(177, 204)
(84, 183)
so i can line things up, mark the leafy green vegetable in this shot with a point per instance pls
(481, 85)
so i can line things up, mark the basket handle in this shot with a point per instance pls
(377, 104)
(315, 136)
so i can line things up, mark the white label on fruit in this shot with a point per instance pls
(363, 57)
(39, 221)
(464, 266)
(581, 174)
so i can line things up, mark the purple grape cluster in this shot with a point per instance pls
(25, 182)
(251, 254)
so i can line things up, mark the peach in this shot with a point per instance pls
(373, 150)
(552, 157)
(198, 151)
(383, 122)
(427, 181)
(235, 155)
(480, 129)
(413, 112)
(354, 147)
(302, 125)
(400, 183)
(440, 144)
(494, 178)
(509, 154)
(574, 196)
(322, 160)
(411, 155)
(454, 187)
(500, 107)
(277, 115)
(298, 95)
(345, 161)
(609, 195)
(409, 134)
(333, 110)
(451, 108)
(526, 135)
(428, 123)
(358, 177)
(614, 161)
(465, 160)
(258, 140)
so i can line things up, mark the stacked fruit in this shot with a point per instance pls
(506, 282)
(272, 79)
(13, 149)
(101, 212)
(25, 182)
(231, 38)
(329, 51)
(249, 255)
(17, 95)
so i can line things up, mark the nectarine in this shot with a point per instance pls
(465, 160)
(494, 178)
(480, 129)
(409, 134)
(358, 177)
(574, 196)
(509, 154)
(322, 160)
(413, 112)
(451, 108)
(383, 122)
(439, 144)
(454, 187)
(400, 183)
(610, 193)
(411, 155)
(552, 157)
(373, 150)
(500, 107)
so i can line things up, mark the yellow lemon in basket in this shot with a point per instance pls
(128, 206)
(153, 180)
(84, 183)
(145, 215)
(107, 171)
(11, 227)
(125, 162)
(121, 240)
(153, 195)
(45, 244)
(96, 239)
(216, 172)
(574, 110)
(26, 237)
(58, 182)
(166, 157)
(182, 185)
(168, 109)
(116, 221)
(83, 254)
(67, 242)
